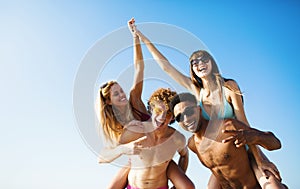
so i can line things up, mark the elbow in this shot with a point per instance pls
(190, 185)
(102, 160)
(276, 143)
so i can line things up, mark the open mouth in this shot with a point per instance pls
(159, 123)
(191, 126)
(202, 69)
(123, 99)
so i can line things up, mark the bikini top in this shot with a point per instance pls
(228, 110)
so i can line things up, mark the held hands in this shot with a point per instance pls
(132, 27)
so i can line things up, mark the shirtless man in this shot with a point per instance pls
(148, 168)
(218, 145)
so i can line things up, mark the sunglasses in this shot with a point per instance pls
(187, 112)
(203, 59)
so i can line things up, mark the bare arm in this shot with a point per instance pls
(138, 80)
(243, 134)
(108, 155)
(129, 143)
(262, 161)
(166, 65)
(184, 159)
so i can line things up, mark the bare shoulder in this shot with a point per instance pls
(232, 85)
(191, 144)
(128, 136)
(178, 137)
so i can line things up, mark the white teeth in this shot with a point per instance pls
(201, 69)
(191, 124)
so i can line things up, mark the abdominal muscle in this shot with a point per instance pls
(150, 177)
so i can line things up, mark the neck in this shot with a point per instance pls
(161, 132)
(201, 128)
(208, 84)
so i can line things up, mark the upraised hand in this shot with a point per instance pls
(132, 27)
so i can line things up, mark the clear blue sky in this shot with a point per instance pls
(42, 44)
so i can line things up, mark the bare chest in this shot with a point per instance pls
(217, 154)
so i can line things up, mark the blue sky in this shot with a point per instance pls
(43, 44)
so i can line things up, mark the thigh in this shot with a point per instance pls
(266, 182)
(178, 177)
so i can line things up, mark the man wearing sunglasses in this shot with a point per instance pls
(219, 144)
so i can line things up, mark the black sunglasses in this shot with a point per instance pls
(203, 59)
(187, 112)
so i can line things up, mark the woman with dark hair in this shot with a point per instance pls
(219, 98)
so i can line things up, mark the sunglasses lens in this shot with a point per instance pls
(179, 118)
(187, 112)
(203, 59)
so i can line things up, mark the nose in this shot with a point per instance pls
(122, 94)
(185, 120)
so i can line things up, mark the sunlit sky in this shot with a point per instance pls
(43, 44)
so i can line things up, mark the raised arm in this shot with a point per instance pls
(165, 64)
(138, 80)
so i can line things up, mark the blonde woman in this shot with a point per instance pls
(219, 98)
(116, 111)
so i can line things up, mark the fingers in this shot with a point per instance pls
(140, 140)
(275, 172)
(240, 142)
(131, 25)
(131, 21)
(231, 138)
(236, 136)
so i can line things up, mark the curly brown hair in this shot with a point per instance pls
(164, 95)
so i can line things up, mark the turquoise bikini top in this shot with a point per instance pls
(228, 110)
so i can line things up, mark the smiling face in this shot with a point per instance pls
(117, 96)
(187, 114)
(202, 66)
(161, 115)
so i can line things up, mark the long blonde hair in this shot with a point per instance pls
(112, 120)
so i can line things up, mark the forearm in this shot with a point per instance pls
(137, 52)
(265, 139)
(160, 58)
(137, 86)
(184, 161)
(108, 155)
(268, 141)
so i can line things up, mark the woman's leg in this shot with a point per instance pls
(266, 182)
(178, 177)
